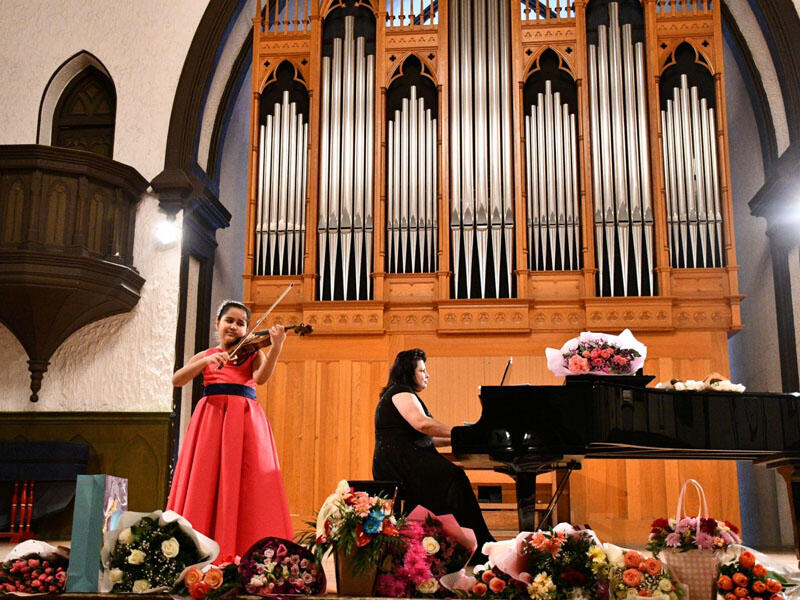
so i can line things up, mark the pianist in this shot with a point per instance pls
(405, 436)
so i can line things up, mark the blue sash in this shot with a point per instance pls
(229, 389)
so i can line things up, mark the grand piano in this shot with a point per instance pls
(525, 430)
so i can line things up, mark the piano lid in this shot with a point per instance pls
(601, 418)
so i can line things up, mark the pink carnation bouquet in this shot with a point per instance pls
(435, 550)
(597, 354)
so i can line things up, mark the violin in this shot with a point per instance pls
(261, 339)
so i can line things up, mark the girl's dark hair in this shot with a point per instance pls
(227, 304)
(402, 371)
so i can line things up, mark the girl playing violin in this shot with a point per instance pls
(227, 481)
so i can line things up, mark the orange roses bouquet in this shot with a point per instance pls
(213, 581)
(633, 575)
(746, 578)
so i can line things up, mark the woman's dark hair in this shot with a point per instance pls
(402, 371)
(227, 304)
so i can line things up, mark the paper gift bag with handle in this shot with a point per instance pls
(100, 500)
(696, 569)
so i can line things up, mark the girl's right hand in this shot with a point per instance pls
(217, 359)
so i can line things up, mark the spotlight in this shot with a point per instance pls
(167, 233)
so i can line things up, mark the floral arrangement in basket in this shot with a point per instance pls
(746, 578)
(150, 552)
(633, 575)
(355, 524)
(34, 567)
(433, 548)
(597, 354)
(563, 563)
(213, 581)
(274, 566)
(691, 533)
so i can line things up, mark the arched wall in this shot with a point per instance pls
(122, 363)
(56, 86)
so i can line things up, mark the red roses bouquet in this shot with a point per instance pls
(597, 354)
(34, 567)
(746, 578)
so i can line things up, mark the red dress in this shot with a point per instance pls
(227, 482)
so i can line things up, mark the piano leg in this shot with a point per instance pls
(791, 475)
(526, 500)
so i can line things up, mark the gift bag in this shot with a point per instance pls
(100, 501)
(696, 569)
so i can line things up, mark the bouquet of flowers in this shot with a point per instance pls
(213, 581)
(597, 354)
(691, 533)
(489, 582)
(746, 578)
(433, 548)
(633, 575)
(150, 552)
(34, 567)
(276, 566)
(558, 564)
(356, 525)
(714, 382)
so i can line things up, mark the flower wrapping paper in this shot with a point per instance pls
(205, 545)
(624, 341)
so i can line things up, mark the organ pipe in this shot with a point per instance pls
(620, 178)
(692, 184)
(482, 216)
(411, 189)
(551, 175)
(347, 126)
(280, 203)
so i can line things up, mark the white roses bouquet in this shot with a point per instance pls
(150, 551)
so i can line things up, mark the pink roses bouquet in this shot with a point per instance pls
(597, 354)
(274, 566)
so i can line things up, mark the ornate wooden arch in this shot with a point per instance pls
(428, 69)
(300, 72)
(565, 64)
(331, 5)
(666, 58)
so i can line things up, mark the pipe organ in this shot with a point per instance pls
(485, 178)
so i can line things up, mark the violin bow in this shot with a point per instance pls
(257, 323)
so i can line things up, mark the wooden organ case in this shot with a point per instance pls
(482, 179)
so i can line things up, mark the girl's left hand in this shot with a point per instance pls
(277, 334)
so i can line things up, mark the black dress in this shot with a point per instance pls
(409, 457)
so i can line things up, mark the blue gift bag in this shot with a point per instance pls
(100, 501)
